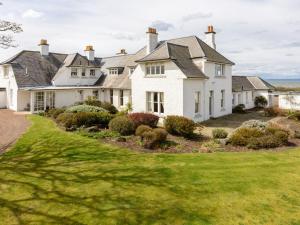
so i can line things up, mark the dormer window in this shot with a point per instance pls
(74, 72)
(131, 70)
(220, 70)
(155, 69)
(113, 71)
(92, 73)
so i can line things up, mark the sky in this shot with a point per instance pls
(261, 36)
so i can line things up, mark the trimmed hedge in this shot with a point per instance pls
(86, 119)
(85, 108)
(54, 113)
(141, 129)
(144, 119)
(122, 125)
(179, 125)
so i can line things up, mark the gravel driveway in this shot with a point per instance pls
(12, 126)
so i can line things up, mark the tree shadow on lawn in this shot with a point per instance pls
(76, 185)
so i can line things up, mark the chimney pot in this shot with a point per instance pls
(210, 37)
(90, 52)
(152, 39)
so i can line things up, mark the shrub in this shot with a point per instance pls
(241, 136)
(102, 134)
(144, 119)
(219, 133)
(179, 125)
(109, 107)
(91, 118)
(161, 134)
(297, 134)
(141, 129)
(150, 139)
(65, 119)
(239, 109)
(260, 101)
(54, 113)
(255, 124)
(85, 108)
(122, 125)
(92, 102)
(272, 111)
(295, 115)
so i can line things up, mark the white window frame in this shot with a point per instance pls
(111, 96)
(155, 69)
(92, 72)
(223, 99)
(74, 72)
(219, 70)
(50, 99)
(39, 101)
(121, 97)
(197, 99)
(113, 71)
(155, 106)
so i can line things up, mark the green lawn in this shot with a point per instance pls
(54, 177)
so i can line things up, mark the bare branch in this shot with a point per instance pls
(6, 41)
(10, 26)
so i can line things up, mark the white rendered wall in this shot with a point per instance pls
(23, 100)
(248, 104)
(10, 84)
(171, 84)
(216, 84)
(289, 101)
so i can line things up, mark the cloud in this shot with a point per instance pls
(195, 16)
(292, 45)
(30, 13)
(161, 25)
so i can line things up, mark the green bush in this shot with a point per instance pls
(54, 113)
(161, 134)
(141, 129)
(109, 107)
(239, 109)
(85, 108)
(92, 102)
(179, 125)
(219, 133)
(65, 119)
(122, 125)
(100, 135)
(260, 101)
(242, 135)
(149, 139)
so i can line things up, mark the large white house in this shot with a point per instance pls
(182, 76)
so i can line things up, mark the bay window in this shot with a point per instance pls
(155, 102)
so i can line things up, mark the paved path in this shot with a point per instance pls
(12, 126)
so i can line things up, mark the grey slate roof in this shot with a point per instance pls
(40, 69)
(248, 83)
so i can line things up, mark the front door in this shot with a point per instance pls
(211, 103)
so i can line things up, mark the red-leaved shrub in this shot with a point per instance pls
(144, 119)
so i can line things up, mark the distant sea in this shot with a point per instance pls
(284, 82)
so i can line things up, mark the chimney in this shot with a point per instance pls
(44, 47)
(210, 37)
(90, 53)
(152, 39)
(122, 52)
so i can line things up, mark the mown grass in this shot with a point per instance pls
(54, 177)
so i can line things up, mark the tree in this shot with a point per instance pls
(260, 102)
(6, 39)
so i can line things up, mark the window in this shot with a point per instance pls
(233, 99)
(155, 102)
(96, 94)
(154, 69)
(111, 96)
(121, 97)
(74, 72)
(222, 99)
(83, 72)
(247, 97)
(113, 71)
(5, 71)
(39, 101)
(92, 73)
(50, 100)
(131, 70)
(252, 95)
(220, 69)
(80, 92)
(197, 102)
